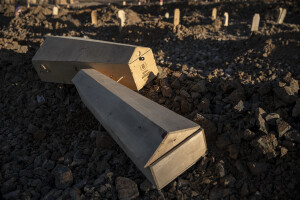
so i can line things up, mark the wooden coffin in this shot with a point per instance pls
(60, 58)
(161, 143)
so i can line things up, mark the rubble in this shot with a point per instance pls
(229, 77)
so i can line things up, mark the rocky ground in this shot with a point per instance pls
(242, 88)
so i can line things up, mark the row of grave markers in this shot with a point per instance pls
(176, 22)
(255, 21)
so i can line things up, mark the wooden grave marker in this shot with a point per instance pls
(255, 22)
(214, 14)
(94, 17)
(167, 15)
(121, 19)
(176, 18)
(60, 58)
(161, 143)
(55, 11)
(226, 19)
(282, 14)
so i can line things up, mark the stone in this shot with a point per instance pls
(126, 188)
(244, 190)
(176, 84)
(63, 177)
(237, 95)
(220, 169)
(75, 193)
(32, 128)
(257, 168)
(11, 195)
(233, 151)
(182, 182)
(199, 87)
(204, 105)
(222, 141)
(228, 181)
(166, 91)
(282, 127)
(104, 141)
(146, 186)
(292, 136)
(8, 185)
(289, 94)
(185, 107)
(296, 109)
(209, 127)
(267, 144)
(260, 121)
(283, 151)
(239, 107)
(39, 135)
(248, 135)
(271, 118)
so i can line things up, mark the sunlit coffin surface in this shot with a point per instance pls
(60, 58)
(161, 143)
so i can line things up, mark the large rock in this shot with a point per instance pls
(199, 87)
(296, 109)
(63, 177)
(266, 145)
(126, 188)
(289, 94)
(209, 127)
(282, 127)
(260, 121)
(257, 168)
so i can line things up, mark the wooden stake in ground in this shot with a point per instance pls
(139, 3)
(124, 3)
(55, 11)
(226, 19)
(167, 15)
(94, 17)
(28, 3)
(214, 14)
(161, 2)
(282, 15)
(122, 19)
(255, 22)
(176, 17)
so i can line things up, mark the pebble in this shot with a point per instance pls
(63, 177)
(126, 188)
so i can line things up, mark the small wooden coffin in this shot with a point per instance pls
(161, 143)
(60, 58)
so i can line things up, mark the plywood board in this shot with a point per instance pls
(60, 58)
(179, 159)
(145, 130)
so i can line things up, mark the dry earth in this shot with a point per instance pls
(242, 88)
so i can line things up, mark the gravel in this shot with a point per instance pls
(241, 87)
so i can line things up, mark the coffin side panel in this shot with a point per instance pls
(175, 162)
